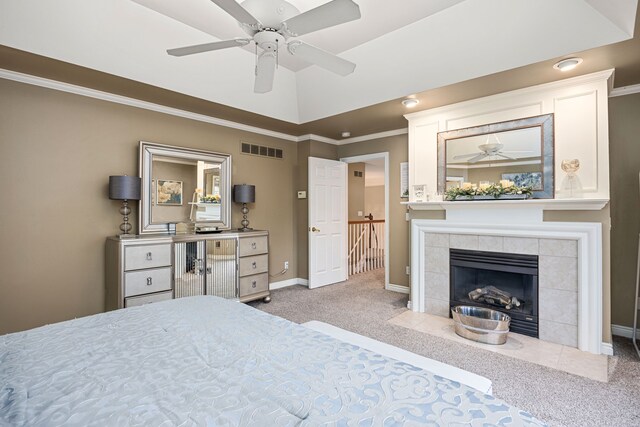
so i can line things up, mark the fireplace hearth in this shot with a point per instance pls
(501, 281)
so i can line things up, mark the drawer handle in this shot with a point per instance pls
(149, 281)
(149, 256)
(253, 245)
(254, 265)
(253, 284)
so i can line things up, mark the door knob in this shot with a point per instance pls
(315, 230)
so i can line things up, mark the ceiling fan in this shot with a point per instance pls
(490, 149)
(270, 23)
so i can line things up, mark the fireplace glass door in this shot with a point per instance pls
(500, 281)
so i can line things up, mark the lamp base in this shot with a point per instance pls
(125, 227)
(245, 221)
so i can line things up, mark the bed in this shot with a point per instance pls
(210, 361)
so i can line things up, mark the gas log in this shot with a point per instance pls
(494, 296)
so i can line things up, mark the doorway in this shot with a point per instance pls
(368, 214)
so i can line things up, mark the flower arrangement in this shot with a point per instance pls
(210, 199)
(504, 188)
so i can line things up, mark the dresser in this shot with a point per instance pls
(147, 269)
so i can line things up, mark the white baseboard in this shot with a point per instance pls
(286, 283)
(397, 288)
(606, 348)
(623, 331)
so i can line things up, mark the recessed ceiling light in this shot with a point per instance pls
(567, 64)
(346, 134)
(410, 102)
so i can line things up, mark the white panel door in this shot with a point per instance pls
(327, 222)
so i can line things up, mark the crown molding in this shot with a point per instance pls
(131, 102)
(312, 137)
(119, 99)
(373, 136)
(624, 90)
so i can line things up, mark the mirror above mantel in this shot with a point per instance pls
(183, 185)
(521, 151)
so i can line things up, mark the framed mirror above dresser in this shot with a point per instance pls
(183, 185)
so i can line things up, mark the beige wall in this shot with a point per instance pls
(398, 245)
(624, 151)
(56, 154)
(374, 201)
(355, 191)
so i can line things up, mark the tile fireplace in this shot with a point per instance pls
(569, 273)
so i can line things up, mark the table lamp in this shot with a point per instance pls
(124, 188)
(244, 194)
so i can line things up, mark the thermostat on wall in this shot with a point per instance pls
(302, 194)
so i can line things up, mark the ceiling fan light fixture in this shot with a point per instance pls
(567, 64)
(410, 102)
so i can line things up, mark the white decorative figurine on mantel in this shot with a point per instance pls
(571, 182)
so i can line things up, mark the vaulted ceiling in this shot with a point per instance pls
(440, 51)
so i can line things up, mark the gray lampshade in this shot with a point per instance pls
(124, 187)
(244, 193)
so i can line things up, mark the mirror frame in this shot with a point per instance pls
(546, 124)
(146, 153)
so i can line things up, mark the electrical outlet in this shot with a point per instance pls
(286, 265)
(408, 270)
(406, 216)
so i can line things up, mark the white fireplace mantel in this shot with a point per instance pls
(589, 244)
(544, 204)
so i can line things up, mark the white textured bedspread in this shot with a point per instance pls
(209, 361)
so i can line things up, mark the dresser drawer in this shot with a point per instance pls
(253, 265)
(253, 245)
(147, 299)
(254, 284)
(147, 281)
(147, 256)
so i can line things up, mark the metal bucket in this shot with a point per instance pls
(481, 324)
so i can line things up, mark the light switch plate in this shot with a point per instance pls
(360, 213)
(302, 194)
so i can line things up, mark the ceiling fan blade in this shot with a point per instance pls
(238, 12)
(327, 15)
(504, 156)
(465, 156)
(319, 57)
(478, 158)
(206, 47)
(265, 71)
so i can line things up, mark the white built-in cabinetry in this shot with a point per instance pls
(580, 107)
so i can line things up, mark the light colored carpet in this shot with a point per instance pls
(362, 305)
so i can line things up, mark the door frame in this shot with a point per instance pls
(363, 158)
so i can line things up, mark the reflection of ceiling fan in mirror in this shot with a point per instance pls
(270, 23)
(491, 150)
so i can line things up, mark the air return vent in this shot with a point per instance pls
(261, 150)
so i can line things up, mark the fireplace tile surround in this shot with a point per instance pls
(570, 294)
(558, 293)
